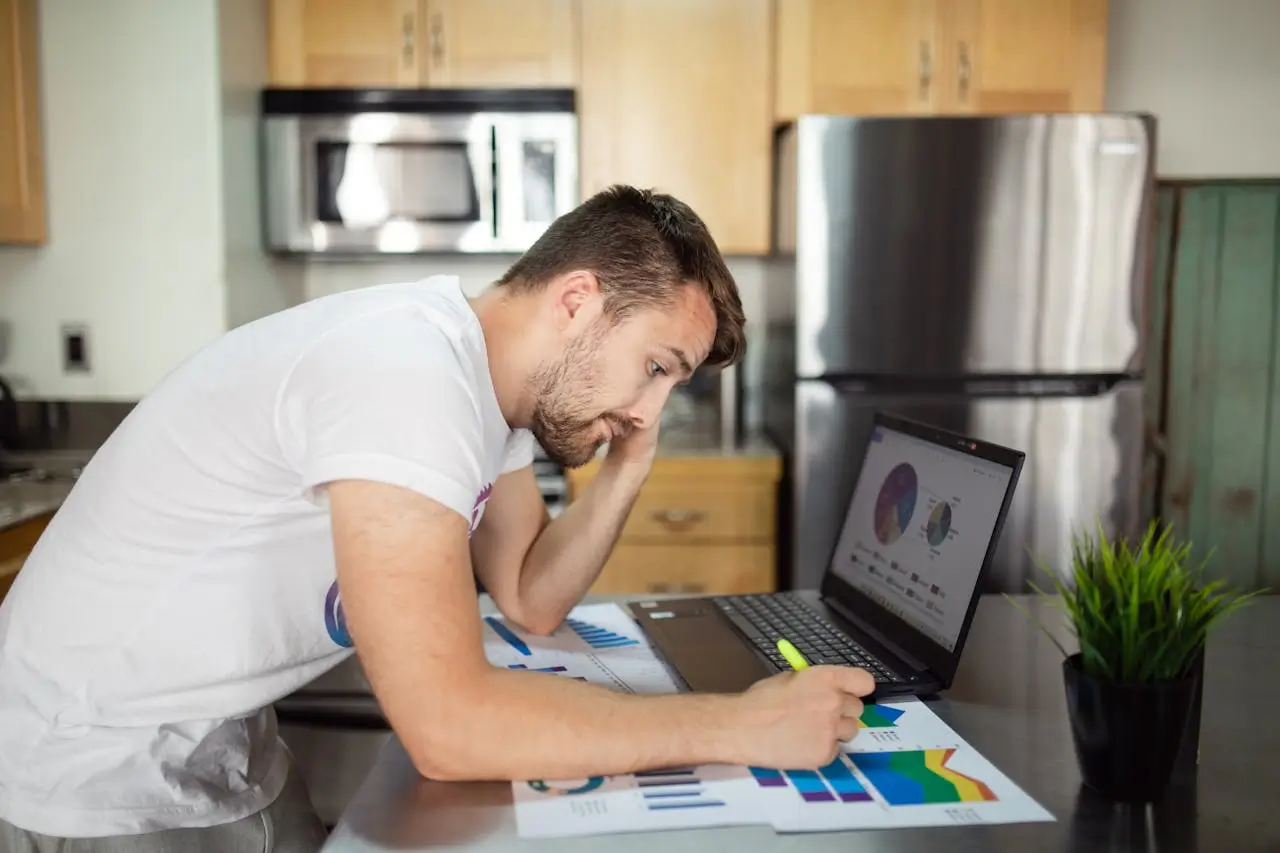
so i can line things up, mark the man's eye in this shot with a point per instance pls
(656, 369)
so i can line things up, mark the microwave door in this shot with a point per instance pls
(402, 184)
(537, 174)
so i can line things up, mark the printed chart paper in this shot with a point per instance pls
(905, 768)
(598, 643)
(678, 798)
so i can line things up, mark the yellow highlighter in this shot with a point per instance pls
(792, 654)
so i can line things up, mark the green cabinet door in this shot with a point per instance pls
(1219, 402)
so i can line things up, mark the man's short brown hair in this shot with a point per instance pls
(643, 247)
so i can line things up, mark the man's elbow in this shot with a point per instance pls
(540, 623)
(448, 754)
(444, 762)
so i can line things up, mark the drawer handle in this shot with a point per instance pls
(678, 518)
(660, 588)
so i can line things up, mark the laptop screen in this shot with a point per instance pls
(918, 529)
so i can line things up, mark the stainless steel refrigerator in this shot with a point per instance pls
(984, 274)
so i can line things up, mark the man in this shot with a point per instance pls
(336, 476)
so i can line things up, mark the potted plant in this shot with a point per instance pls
(1141, 616)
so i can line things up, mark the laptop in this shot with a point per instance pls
(899, 591)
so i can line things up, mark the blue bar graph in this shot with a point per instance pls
(507, 634)
(829, 784)
(844, 783)
(600, 638)
(553, 669)
(680, 788)
(809, 785)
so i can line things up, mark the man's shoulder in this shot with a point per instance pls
(411, 320)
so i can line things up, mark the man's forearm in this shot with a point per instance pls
(568, 729)
(568, 555)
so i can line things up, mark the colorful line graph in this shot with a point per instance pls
(507, 634)
(919, 777)
(833, 783)
(552, 669)
(680, 788)
(600, 638)
(879, 717)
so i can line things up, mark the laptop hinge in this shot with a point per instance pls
(911, 661)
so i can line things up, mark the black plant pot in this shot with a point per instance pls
(1128, 736)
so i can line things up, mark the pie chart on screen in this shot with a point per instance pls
(896, 503)
(939, 524)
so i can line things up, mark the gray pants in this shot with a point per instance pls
(288, 825)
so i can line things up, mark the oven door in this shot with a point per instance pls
(537, 174)
(380, 183)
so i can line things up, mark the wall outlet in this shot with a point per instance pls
(75, 348)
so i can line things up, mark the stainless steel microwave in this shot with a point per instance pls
(402, 171)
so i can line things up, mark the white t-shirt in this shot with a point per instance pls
(188, 581)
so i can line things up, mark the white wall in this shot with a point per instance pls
(256, 286)
(130, 102)
(1210, 72)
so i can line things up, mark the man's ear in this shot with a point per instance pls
(578, 300)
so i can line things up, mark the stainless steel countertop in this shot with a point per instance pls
(1007, 702)
(29, 496)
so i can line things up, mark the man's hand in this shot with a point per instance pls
(536, 571)
(638, 447)
(796, 720)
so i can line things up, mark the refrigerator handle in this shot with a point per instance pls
(1156, 440)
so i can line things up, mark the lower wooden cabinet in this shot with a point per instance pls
(15, 544)
(701, 525)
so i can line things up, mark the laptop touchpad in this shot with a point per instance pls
(709, 655)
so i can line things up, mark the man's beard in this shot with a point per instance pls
(563, 422)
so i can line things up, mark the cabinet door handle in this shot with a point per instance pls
(926, 69)
(678, 518)
(406, 35)
(437, 39)
(660, 588)
(964, 70)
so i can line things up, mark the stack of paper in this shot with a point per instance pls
(905, 768)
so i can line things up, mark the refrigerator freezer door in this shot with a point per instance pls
(952, 246)
(1083, 468)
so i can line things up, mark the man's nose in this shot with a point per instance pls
(648, 408)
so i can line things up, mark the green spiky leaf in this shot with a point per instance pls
(1141, 614)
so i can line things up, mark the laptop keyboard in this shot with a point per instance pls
(765, 619)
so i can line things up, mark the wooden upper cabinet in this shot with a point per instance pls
(1014, 56)
(23, 218)
(675, 96)
(413, 43)
(341, 43)
(869, 57)
(502, 43)
(912, 57)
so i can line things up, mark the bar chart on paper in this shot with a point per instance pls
(600, 638)
(679, 788)
(511, 638)
(555, 670)
(830, 784)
